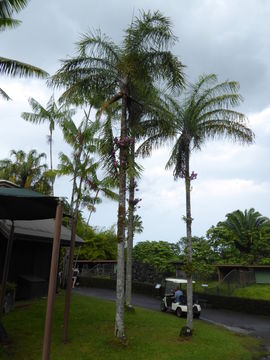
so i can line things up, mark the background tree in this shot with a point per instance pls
(159, 254)
(242, 238)
(52, 115)
(204, 257)
(205, 113)
(27, 170)
(98, 245)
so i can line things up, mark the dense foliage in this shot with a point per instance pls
(160, 254)
(100, 245)
(203, 258)
(27, 170)
(243, 238)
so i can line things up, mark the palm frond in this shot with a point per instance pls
(96, 44)
(149, 30)
(8, 23)
(8, 7)
(16, 68)
(4, 94)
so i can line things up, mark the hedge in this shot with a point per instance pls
(250, 306)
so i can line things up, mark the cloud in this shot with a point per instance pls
(230, 38)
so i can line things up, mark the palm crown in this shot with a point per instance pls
(207, 112)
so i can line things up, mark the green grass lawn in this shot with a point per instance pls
(151, 335)
(256, 291)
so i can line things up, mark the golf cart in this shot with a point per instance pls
(180, 308)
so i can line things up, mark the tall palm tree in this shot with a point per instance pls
(10, 66)
(205, 113)
(26, 170)
(52, 115)
(111, 71)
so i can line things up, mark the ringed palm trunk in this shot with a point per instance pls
(51, 161)
(91, 212)
(72, 214)
(130, 235)
(189, 246)
(120, 281)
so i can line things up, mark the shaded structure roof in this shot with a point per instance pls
(240, 266)
(37, 230)
(23, 204)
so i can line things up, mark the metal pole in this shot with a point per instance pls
(69, 280)
(52, 284)
(6, 267)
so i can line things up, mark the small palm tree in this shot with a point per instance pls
(205, 113)
(52, 115)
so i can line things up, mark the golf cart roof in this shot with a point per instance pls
(178, 281)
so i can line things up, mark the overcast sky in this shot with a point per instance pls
(229, 38)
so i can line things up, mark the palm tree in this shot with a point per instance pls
(26, 170)
(93, 188)
(52, 115)
(244, 227)
(111, 71)
(206, 113)
(9, 66)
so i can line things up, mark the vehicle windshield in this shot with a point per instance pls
(170, 287)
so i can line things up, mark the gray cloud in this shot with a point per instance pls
(230, 38)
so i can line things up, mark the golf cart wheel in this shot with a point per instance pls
(163, 307)
(179, 312)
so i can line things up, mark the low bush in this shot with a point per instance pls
(251, 306)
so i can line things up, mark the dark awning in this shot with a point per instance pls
(24, 204)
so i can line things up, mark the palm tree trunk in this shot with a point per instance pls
(91, 212)
(189, 246)
(130, 232)
(120, 281)
(73, 190)
(51, 161)
(70, 221)
(70, 264)
(130, 239)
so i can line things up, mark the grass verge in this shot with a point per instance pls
(151, 335)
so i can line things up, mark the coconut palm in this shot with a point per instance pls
(205, 113)
(111, 71)
(10, 66)
(52, 115)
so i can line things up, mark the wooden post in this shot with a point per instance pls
(69, 280)
(52, 284)
(6, 267)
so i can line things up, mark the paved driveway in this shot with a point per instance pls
(239, 322)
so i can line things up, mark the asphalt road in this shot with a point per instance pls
(239, 322)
